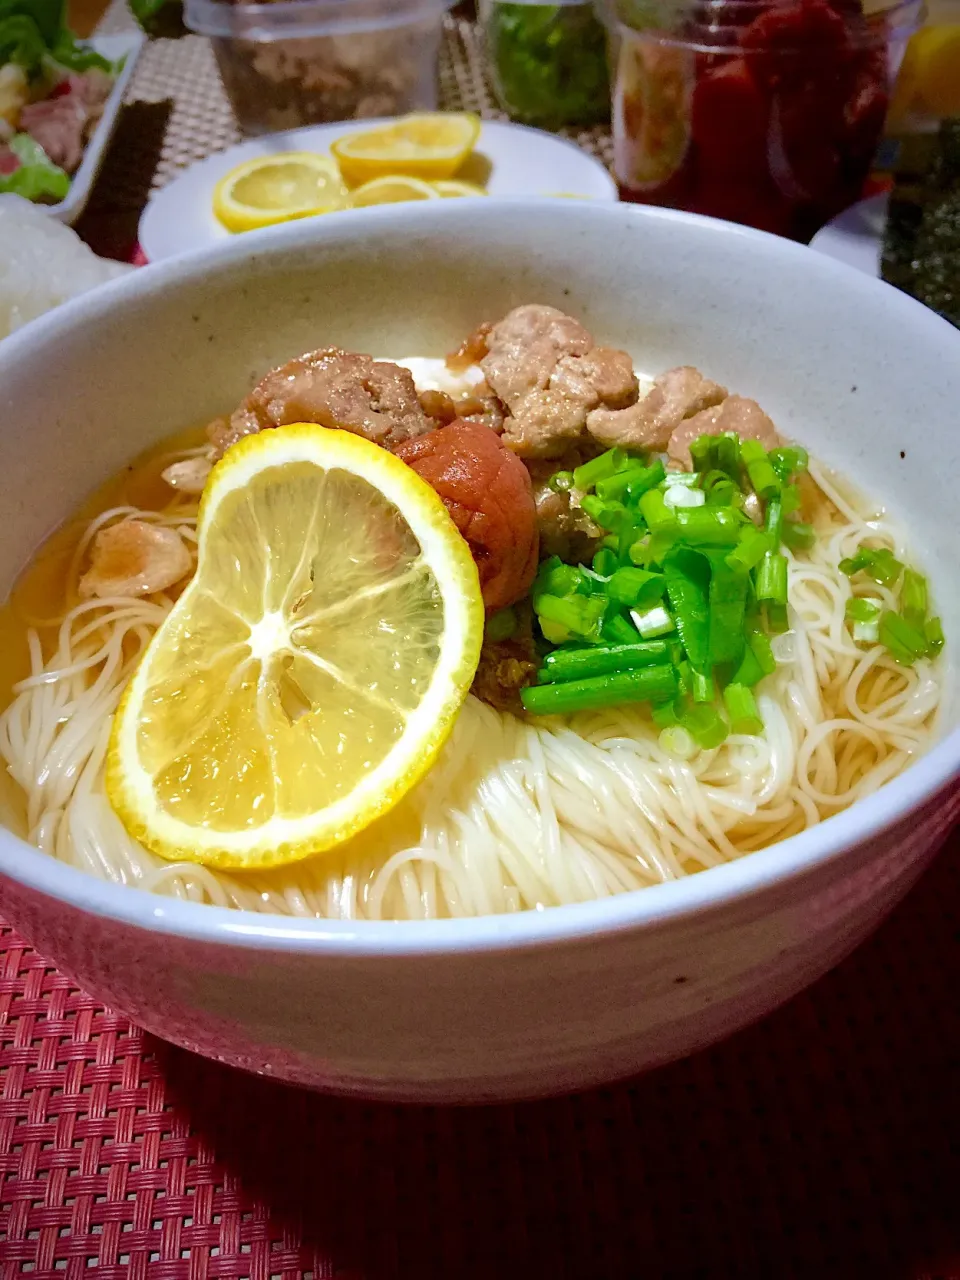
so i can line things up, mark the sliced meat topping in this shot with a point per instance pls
(524, 349)
(675, 395)
(333, 388)
(487, 491)
(134, 558)
(190, 475)
(545, 368)
(745, 417)
(57, 125)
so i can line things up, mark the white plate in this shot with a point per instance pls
(112, 47)
(856, 235)
(520, 162)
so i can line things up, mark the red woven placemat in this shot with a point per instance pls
(821, 1143)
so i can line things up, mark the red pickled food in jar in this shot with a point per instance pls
(765, 112)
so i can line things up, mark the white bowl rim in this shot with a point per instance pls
(654, 907)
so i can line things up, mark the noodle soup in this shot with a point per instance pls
(520, 811)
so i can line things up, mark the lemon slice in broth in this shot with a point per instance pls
(311, 671)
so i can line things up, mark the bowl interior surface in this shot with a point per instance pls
(864, 377)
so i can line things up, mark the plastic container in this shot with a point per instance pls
(765, 113)
(300, 62)
(548, 62)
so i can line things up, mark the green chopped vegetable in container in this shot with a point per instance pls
(548, 61)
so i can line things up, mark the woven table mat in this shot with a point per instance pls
(821, 1143)
(177, 113)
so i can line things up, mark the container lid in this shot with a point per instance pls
(303, 19)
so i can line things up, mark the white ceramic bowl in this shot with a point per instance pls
(525, 1004)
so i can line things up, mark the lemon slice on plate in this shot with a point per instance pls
(392, 190)
(313, 668)
(278, 188)
(450, 188)
(429, 146)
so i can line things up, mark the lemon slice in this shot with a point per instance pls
(314, 666)
(450, 188)
(392, 190)
(426, 146)
(278, 188)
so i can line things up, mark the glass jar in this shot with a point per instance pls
(548, 62)
(765, 112)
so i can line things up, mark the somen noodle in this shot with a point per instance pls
(515, 814)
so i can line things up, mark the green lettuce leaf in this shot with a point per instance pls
(38, 178)
(21, 42)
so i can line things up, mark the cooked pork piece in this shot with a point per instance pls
(675, 395)
(745, 417)
(545, 368)
(334, 388)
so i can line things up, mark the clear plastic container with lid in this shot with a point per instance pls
(766, 112)
(300, 62)
(548, 62)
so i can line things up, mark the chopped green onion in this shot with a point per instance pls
(865, 616)
(776, 616)
(726, 453)
(702, 452)
(653, 623)
(629, 532)
(798, 535)
(641, 685)
(680, 495)
(654, 510)
(720, 490)
(664, 714)
(631, 482)
(556, 578)
(742, 709)
(677, 741)
(605, 562)
(773, 521)
(914, 600)
(772, 578)
(727, 600)
(789, 461)
(599, 468)
(706, 725)
(763, 478)
(880, 564)
(790, 498)
(501, 625)
(702, 687)
(617, 630)
(688, 585)
(636, 587)
(717, 527)
(608, 515)
(578, 664)
(903, 642)
(681, 479)
(761, 648)
(561, 481)
(933, 634)
(579, 615)
(639, 485)
(752, 546)
(749, 671)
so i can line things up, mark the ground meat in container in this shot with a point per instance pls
(488, 493)
(334, 388)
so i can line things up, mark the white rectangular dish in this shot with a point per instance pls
(125, 46)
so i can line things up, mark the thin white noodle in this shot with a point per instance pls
(513, 815)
